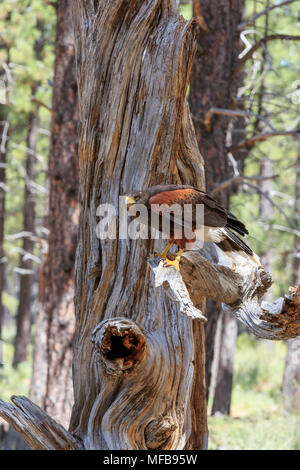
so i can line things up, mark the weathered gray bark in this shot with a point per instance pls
(51, 386)
(136, 132)
(291, 378)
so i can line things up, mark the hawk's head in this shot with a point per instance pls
(143, 197)
(133, 198)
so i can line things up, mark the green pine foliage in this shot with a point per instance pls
(20, 23)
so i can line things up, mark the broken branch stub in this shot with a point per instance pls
(38, 429)
(121, 345)
(175, 288)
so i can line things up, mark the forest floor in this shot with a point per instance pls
(257, 420)
(13, 381)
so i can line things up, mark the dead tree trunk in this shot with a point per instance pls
(136, 131)
(51, 384)
(217, 54)
(23, 336)
(291, 378)
(138, 363)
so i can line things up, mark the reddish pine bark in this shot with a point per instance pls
(51, 384)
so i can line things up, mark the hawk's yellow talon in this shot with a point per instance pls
(164, 253)
(166, 250)
(176, 261)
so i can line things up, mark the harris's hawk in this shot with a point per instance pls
(217, 224)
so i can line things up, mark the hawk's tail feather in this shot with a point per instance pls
(236, 225)
(232, 241)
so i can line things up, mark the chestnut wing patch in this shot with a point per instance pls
(214, 214)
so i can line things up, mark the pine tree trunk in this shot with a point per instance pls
(217, 55)
(52, 386)
(291, 378)
(223, 388)
(23, 336)
(139, 378)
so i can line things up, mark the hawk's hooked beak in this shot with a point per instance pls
(130, 201)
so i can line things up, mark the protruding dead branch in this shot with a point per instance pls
(260, 43)
(240, 288)
(171, 280)
(264, 12)
(37, 428)
(231, 113)
(249, 143)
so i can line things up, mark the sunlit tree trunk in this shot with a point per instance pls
(51, 384)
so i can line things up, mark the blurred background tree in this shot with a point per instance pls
(249, 140)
